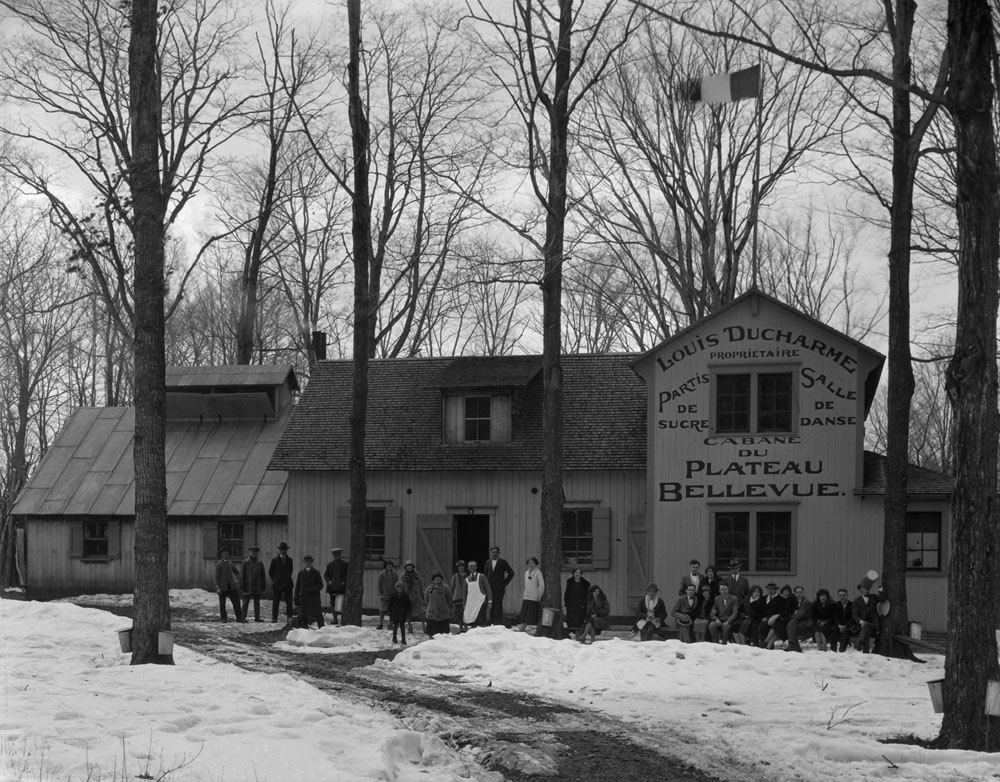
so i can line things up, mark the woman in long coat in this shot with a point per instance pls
(438, 599)
(414, 585)
(575, 599)
(534, 588)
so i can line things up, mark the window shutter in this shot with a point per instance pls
(76, 538)
(393, 534)
(249, 536)
(454, 419)
(342, 529)
(210, 540)
(500, 418)
(602, 538)
(114, 539)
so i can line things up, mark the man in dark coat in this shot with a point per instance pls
(253, 582)
(227, 584)
(335, 576)
(865, 617)
(281, 574)
(309, 594)
(499, 573)
(843, 620)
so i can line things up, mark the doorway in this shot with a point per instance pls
(472, 537)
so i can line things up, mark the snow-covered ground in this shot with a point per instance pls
(72, 705)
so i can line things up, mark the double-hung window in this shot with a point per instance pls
(578, 536)
(923, 540)
(762, 538)
(477, 419)
(754, 401)
(374, 534)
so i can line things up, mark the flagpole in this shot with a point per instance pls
(755, 195)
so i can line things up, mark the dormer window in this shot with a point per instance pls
(477, 417)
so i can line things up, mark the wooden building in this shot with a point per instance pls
(743, 438)
(453, 450)
(756, 421)
(223, 424)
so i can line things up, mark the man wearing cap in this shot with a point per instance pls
(253, 582)
(309, 594)
(281, 572)
(227, 584)
(335, 576)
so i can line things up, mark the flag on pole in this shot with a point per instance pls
(727, 87)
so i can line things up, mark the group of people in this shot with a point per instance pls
(730, 608)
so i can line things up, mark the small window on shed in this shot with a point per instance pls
(95, 539)
(231, 536)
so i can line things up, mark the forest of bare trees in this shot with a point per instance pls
(539, 182)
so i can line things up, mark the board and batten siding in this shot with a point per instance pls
(51, 570)
(505, 496)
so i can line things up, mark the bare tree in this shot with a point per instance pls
(973, 576)
(149, 204)
(361, 253)
(549, 55)
(685, 183)
(72, 63)
(39, 309)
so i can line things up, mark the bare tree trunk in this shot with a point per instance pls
(973, 572)
(900, 386)
(552, 400)
(151, 606)
(361, 234)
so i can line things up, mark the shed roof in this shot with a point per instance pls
(604, 415)
(215, 468)
(919, 480)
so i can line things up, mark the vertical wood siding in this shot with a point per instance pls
(50, 569)
(506, 496)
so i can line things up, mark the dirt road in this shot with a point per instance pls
(516, 735)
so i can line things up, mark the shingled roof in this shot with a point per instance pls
(919, 480)
(604, 415)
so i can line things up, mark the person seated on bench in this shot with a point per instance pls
(652, 618)
(725, 615)
(822, 615)
(754, 627)
(703, 614)
(843, 620)
(865, 617)
(685, 611)
(779, 611)
(596, 615)
(800, 622)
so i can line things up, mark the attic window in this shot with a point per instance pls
(476, 418)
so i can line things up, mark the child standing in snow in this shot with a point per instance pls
(399, 610)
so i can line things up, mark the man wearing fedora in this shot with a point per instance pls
(253, 582)
(335, 576)
(309, 594)
(280, 573)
